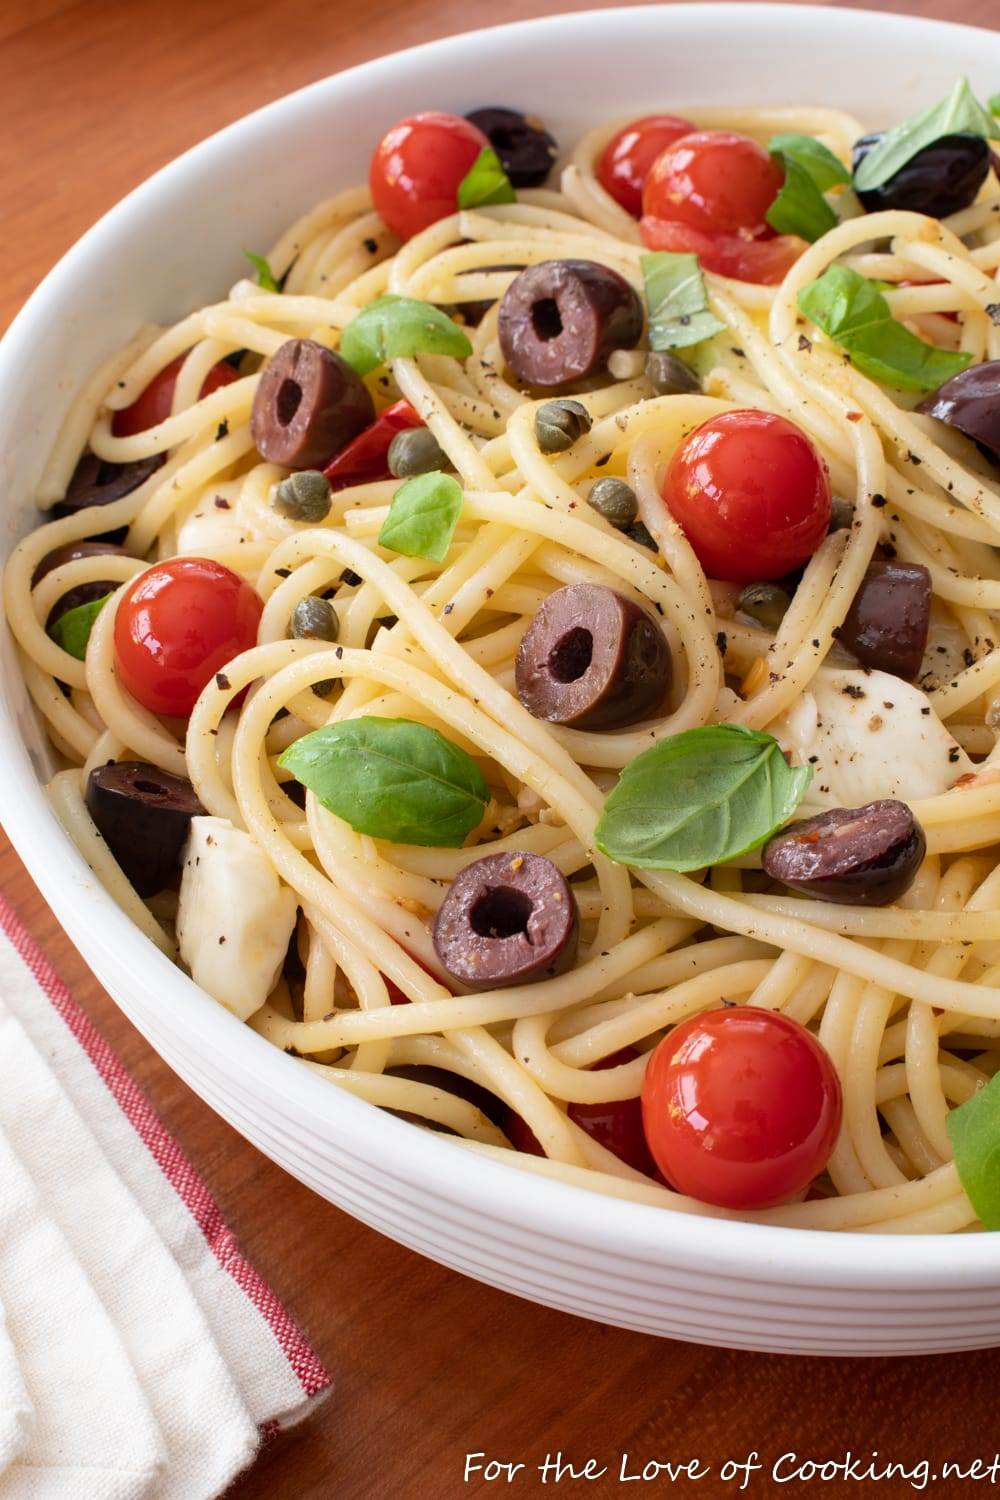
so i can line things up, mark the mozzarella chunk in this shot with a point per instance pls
(869, 735)
(234, 916)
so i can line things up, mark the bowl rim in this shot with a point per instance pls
(573, 1217)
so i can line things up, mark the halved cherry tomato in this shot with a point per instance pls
(366, 457)
(751, 494)
(715, 181)
(765, 261)
(625, 161)
(417, 167)
(616, 1125)
(741, 1107)
(153, 404)
(178, 625)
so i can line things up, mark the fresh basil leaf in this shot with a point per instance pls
(677, 301)
(393, 779)
(699, 798)
(485, 182)
(960, 112)
(974, 1130)
(72, 630)
(265, 276)
(423, 516)
(993, 104)
(396, 327)
(810, 171)
(853, 312)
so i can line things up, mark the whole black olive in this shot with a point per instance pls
(887, 623)
(83, 593)
(593, 659)
(524, 146)
(96, 482)
(970, 402)
(507, 919)
(144, 815)
(309, 404)
(940, 180)
(861, 856)
(561, 319)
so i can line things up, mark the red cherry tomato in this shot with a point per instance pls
(417, 167)
(751, 494)
(626, 159)
(765, 261)
(177, 625)
(366, 457)
(715, 181)
(153, 404)
(741, 1107)
(616, 1125)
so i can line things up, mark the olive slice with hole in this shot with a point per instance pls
(886, 626)
(308, 405)
(97, 482)
(593, 659)
(559, 320)
(507, 919)
(970, 402)
(144, 815)
(861, 856)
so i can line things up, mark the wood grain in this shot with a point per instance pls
(429, 1365)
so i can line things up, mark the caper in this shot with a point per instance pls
(841, 514)
(314, 619)
(764, 602)
(416, 451)
(640, 533)
(558, 424)
(614, 500)
(305, 496)
(669, 375)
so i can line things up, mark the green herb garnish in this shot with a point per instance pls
(485, 182)
(974, 1129)
(265, 276)
(677, 301)
(394, 327)
(810, 171)
(961, 112)
(423, 516)
(72, 630)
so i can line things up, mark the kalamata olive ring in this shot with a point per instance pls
(82, 593)
(144, 815)
(524, 146)
(97, 482)
(591, 658)
(970, 402)
(559, 320)
(886, 626)
(861, 856)
(940, 180)
(507, 919)
(309, 403)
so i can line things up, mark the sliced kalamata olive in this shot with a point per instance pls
(96, 482)
(862, 856)
(593, 659)
(886, 625)
(561, 319)
(143, 814)
(73, 552)
(507, 919)
(308, 405)
(970, 402)
(940, 180)
(524, 146)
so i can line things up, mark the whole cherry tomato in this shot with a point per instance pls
(765, 261)
(616, 1125)
(417, 167)
(178, 625)
(366, 457)
(751, 495)
(741, 1106)
(715, 181)
(153, 404)
(625, 161)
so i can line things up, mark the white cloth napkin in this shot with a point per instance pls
(141, 1355)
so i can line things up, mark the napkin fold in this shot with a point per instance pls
(141, 1355)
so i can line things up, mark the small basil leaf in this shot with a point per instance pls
(485, 182)
(974, 1130)
(810, 171)
(265, 276)
(960, 112)
(853, 312)
(677, 301)
(72, 630)
(393, 779)
(993, 104)
(700, 798)
(826, 170)
(396, 327)
(423, 516)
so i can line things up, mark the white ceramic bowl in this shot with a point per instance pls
(175, 243)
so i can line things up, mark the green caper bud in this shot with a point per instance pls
(614, 500)
(640, 533)
(558, 424)
(314, 619)
(764, 602)
(305, 496)
(669, 375)
(841, 514)
(416, 451)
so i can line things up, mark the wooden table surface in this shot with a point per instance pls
(429, 1366)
